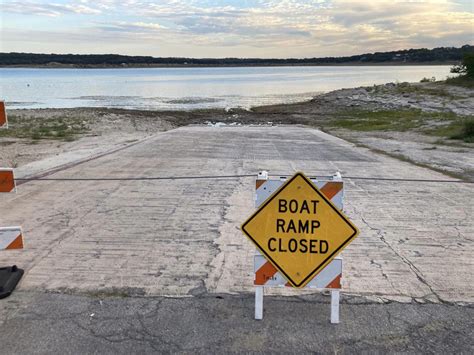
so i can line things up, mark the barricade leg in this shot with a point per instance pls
(334, 306)
(259, 302)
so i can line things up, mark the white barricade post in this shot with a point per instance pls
(270, 269)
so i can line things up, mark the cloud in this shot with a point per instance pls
(355, 25)
(136, 27)
(353, 12)
(47, 9)
(384, 25)
(273, 27)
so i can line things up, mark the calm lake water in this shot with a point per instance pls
(191, 88)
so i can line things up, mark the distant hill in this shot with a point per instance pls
(441, 55)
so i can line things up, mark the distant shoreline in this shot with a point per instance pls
(404, 57)
(141, 66)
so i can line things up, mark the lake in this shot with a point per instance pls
(191, 88)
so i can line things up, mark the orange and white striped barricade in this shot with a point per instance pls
(11, 238)
(7, 180)
(3, 115)
(266, 275)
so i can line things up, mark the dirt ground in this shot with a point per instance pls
(103, 129)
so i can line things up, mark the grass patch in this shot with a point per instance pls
(447, 131)
(390, 120)
(34, 128)
(465, 131)
(428, 80)
(463, 81)
(410, 89)
(413, 90)
(461, 129)
(442, 124)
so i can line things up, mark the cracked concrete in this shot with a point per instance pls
(182, 237)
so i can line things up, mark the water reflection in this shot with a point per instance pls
(191, 88)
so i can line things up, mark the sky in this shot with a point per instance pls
(233, 28)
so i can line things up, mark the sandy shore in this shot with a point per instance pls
(433, 109)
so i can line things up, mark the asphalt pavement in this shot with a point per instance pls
(39, 323)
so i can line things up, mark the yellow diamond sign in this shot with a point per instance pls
(299, 230)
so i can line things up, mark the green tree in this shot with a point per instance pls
(466, 67)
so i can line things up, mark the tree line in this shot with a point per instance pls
(422, 55)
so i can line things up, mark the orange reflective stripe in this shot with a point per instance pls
(259, 183)
(16, 244)
(266, 272)
(331, 189)
(7, 181)
(336, 283)
(3, 114)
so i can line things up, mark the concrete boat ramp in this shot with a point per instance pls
(169, 252)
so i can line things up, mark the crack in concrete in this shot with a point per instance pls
(460, 235)
(419, 275)
(373, 262)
